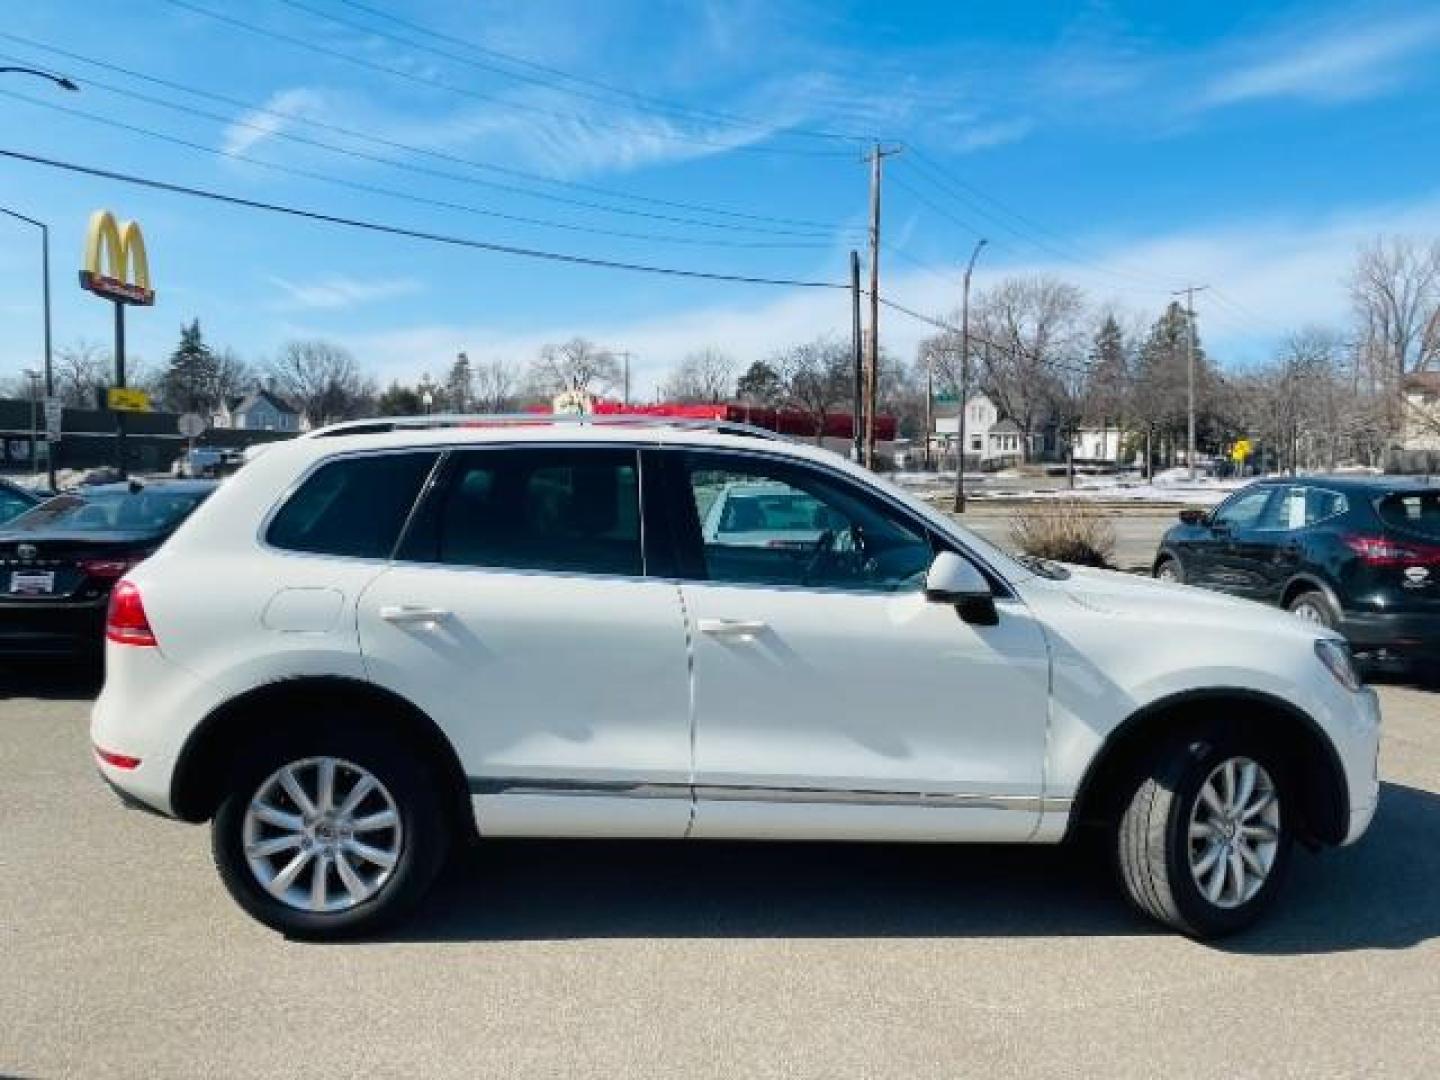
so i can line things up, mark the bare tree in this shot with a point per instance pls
(497, 384)
(577, 366)
(1395, 291)
(322, 380)
(815, 378)
(233, 376)
(706, 376)
(80, 369)
(1032, 342)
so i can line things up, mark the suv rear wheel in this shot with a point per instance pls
(330, 833)
(1168, 569)
(1206, 836)
(1314, 607)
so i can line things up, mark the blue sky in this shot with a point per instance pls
(1129, 147)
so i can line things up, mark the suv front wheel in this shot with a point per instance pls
(1206, 836)
(329, 834)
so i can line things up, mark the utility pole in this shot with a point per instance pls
(857, 418)
(1189, 292)
(625, 389)
(964, 377)
(929, 402)
(872, 374)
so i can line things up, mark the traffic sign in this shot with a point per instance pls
(125, 399)
(192, 424)
(1240, 451)
(54, 414)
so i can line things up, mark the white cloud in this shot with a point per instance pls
(1337, 64)
(341, 292)
(263, 124)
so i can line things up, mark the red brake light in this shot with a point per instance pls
(119, 761)
(126, 623)
(1382, 551)
(108, 569)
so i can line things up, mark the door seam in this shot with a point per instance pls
(690, 684)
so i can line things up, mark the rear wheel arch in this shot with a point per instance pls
(214, 746)
(1303, 583)
(1317, 773)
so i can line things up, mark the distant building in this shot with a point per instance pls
(1422, 411)
(990, 440)
(1097, 445)
(259, 410)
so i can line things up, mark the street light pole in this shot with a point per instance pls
(45, 293)
(1189, 293)
(49, 76)
(964, 378)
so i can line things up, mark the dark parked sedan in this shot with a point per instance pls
(59, 560)
(1359, 554)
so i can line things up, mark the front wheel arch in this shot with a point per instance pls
(1323, 798)
(218, 741)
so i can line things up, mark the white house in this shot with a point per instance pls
(1422, 411)
(259, 410)
(1097, 444)
(989, 439)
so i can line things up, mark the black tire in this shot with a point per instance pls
(424, 834)
(1313, 600)
(1172, 564)
(1152, 836)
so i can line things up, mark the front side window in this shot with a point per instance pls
(1244, 510)
(353, 506)
(556, 509)
(770, 523)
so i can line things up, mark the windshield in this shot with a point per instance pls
(1415, 512)
(108, 511)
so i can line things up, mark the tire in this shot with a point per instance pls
(1314, 606)
(373, 895)
(1168, 568)
(1162, 869)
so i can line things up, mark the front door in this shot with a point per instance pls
(831, 699)
(518, 615)
(1238, 531)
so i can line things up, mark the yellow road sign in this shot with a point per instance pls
(1240, 451)
(124, 399)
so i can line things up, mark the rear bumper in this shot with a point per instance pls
(52, 630)
(1378, 637)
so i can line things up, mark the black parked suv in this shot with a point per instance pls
(1359, 554)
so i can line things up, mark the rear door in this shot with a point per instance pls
(518, 614)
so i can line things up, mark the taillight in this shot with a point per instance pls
(106, 569)
(126, 624)
(1383, 551)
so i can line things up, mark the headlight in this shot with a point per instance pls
(1335, 655)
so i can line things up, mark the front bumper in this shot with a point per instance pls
(1361, 757)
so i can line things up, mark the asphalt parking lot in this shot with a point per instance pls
(120, 954)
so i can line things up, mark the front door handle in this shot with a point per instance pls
(744, 629)
(405, 613)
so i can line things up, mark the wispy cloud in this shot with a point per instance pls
(341, 292)
(1335, 64)
(259, 125)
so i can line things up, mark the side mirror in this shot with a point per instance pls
(1193, 516)
(953, 580)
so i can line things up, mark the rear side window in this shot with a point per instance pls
(1416, 512)
(562, 510)
(352, 506)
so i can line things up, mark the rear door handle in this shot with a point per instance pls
(733, 628)
(405, 613)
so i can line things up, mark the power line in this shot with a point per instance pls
(438, 155)
(412, 234)
(375, 189)
(653, 103)
(424, 170)
(489, 99)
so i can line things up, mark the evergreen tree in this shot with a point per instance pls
(760, 385)
(189, 383)
(399, 401)
(459, 390)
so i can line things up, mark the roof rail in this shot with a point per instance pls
(380, 424)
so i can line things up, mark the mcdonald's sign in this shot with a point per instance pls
(126, 279)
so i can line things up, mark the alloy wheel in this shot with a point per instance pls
(322, 835)
(1234, 832)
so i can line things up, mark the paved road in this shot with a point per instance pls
(120, 955)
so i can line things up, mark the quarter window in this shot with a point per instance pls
(543, 509)
(763, 523)
(353, 506)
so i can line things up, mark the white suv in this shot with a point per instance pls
(380, 637)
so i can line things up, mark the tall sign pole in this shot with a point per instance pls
(964, 378)
(872, 372)
(857, 419)
(124, 280)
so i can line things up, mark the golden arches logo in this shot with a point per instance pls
(126, 279)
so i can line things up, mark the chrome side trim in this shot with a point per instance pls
(1030, 804)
